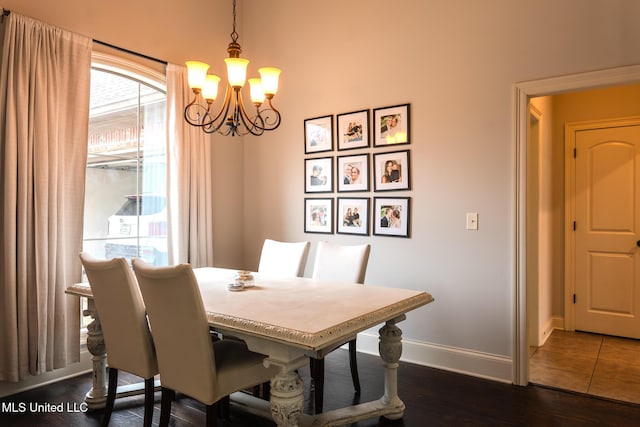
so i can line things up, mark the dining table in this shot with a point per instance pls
(289, 320)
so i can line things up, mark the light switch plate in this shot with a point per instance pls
(472, 220)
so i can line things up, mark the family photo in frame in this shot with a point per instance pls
(391, 171)
(391, 216)
(352, 216)
(352, 173)
(318, 134)
(318, 215)
(353, 130)
(318, 175)
(391, 125)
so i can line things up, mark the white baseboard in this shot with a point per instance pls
(555, 322)
(545, 332)
(474, 363)
(558, 322)
(82, 367)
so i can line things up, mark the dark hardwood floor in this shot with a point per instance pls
(432, 397)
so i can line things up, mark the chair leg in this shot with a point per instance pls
(111, 396)
(266, 390)
(224, 407)
(353, 364)
(211, 418)
(149, 386)
(317, 375)
(165, 406)
(312, 368)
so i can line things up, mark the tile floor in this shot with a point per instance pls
(588, 363)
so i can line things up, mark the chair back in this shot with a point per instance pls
(122, 315)
(283, 259)
(341, 263)
(179, 327)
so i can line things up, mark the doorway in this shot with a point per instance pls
(602, 262)
(523, 93)
(600, 186)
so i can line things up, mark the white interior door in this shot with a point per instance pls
(607, 231)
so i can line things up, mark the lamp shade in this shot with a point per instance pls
(196, 74)
(236, 71)
(257, 94)
(269, 77)
(210, 89)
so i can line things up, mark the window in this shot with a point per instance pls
(125, 201)
(125, 198)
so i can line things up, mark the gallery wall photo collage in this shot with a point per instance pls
(352, 154)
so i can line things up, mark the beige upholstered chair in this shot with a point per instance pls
(342, 264)
(283, 259)
(189, 362)
(124, 324)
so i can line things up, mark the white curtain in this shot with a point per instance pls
(189, 176)
(44, 109)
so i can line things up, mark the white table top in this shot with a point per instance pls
(299, 312)
(306, 313)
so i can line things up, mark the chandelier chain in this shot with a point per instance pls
(234, 33)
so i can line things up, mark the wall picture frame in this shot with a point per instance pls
(391, 125)
(392, 171)
(318, 134)
(352, 215)
(391, 216)
(353, 130)
(318, 215)
(318, 175)
(352, 173)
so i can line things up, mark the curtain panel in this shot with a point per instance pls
(189, 178)
(44, 111)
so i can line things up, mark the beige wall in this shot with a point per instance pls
(174, 31)
(455, 61)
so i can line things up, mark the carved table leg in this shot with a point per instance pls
(390, 347)
(287, 394)
(97, 396)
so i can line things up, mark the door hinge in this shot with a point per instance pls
(574, 153)
(574, 226)
(574, 298)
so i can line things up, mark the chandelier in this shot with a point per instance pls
(232, 117)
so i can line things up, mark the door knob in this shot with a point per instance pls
(638, 243)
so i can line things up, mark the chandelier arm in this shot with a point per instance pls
(267, 119)
(218, 121)
(254, 126)
(195, 113)
(277, 119)
(232, 121)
